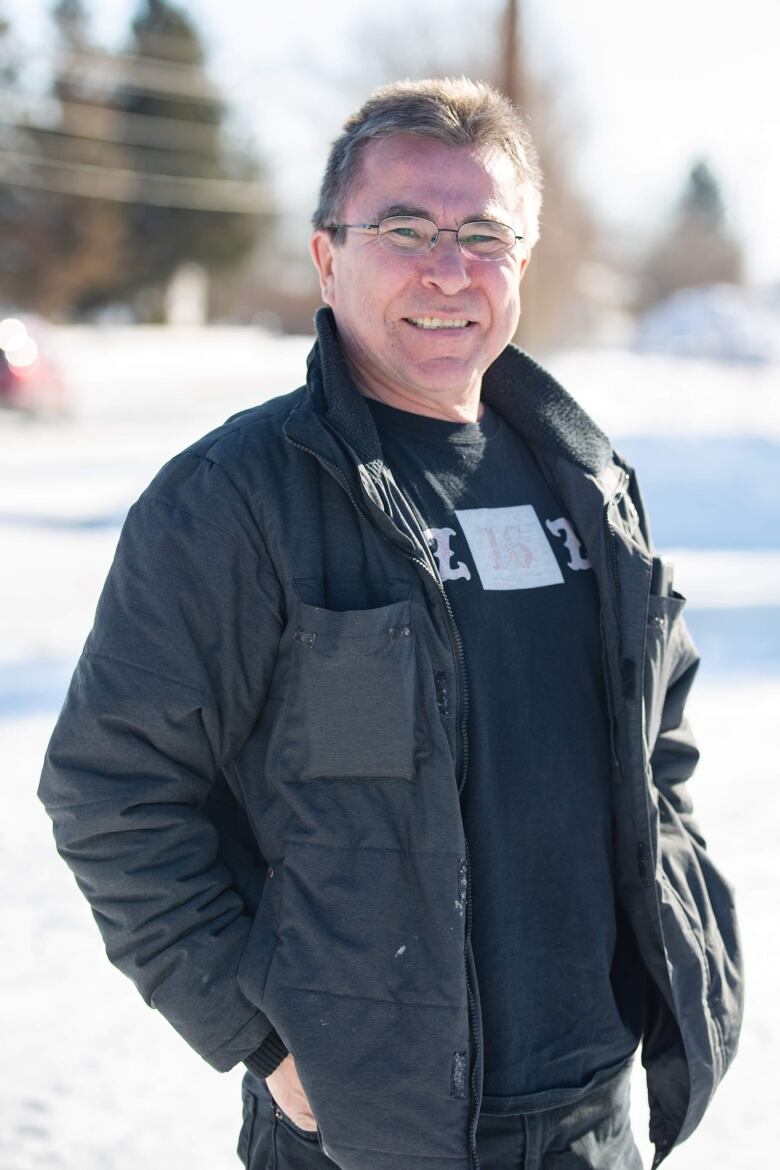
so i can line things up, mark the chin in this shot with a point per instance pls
(447, 373)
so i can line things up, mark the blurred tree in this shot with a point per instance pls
(166, 79)
(86, 237)
(67, 248)
(702, 198)
(9, 55)
(72, 21)
(697, 248)
(126, 177)
(14, 253)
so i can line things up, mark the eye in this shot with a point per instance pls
(486, 238)
(406, 233)
(479, 238)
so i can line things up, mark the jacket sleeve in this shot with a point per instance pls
(684, 859)
(168, 687)
(674, 753)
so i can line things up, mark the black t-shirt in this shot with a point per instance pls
(560, 1004)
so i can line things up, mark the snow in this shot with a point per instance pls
(722, 321)
(90, 1078)
(632, 394)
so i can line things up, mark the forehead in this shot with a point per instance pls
(428, 175)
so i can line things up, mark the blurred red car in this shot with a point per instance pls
(30, 379)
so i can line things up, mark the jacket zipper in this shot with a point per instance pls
(611, 538)
(642, 850)
(473, 1023)
(611, 544)
(462, 694)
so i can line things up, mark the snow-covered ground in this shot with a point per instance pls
(90, 1078)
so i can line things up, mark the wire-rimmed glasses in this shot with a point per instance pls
(412, 235)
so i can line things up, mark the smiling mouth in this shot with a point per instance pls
(438, 323)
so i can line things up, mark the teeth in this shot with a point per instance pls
(436, 323)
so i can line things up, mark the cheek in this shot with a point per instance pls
(504, 295)
(372, 293)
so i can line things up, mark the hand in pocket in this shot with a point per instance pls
(285, 1087)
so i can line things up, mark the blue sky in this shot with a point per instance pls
(645, 88)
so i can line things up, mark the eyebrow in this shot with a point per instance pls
(401, 209)
(424, 213)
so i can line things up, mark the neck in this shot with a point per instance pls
(464, 407)
(449, 412)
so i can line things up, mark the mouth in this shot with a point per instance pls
(439, 322)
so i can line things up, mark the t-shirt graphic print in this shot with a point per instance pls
(508, 546)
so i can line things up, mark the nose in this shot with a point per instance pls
(445, 267)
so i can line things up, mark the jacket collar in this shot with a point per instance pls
(515, 386)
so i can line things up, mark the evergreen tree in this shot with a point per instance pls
(697, 249)
(167, 80)
(14, 201)
(9, 66)
(702, 201)
(112, 196)
(86, 248)
(67, 246)
(72, 22)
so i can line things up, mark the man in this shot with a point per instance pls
(373, 768)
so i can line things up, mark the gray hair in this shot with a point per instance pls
(452, 110)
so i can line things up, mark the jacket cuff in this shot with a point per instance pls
(268, 1056)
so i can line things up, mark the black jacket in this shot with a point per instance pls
(256, 782)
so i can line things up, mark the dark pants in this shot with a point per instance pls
(592, 1134)
(269, 1140)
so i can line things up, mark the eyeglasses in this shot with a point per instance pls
(410, 235)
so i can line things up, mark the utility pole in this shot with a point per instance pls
(512, 81)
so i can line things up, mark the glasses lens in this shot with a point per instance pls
(407, 234)
(485, 240)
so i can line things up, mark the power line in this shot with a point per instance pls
(71, 137)
(130, 129)
(146, 74)
(113, 80)
(165, 43)
(98, 68)
(143, 61)
(126, 186)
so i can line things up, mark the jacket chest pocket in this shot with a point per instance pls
(352, 697)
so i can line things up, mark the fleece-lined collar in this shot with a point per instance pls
(515, 386)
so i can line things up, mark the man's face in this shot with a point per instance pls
(379, 299)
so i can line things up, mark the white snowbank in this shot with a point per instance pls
(724, 322)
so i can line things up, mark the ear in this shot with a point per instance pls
(321, 248)
(524, 265)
